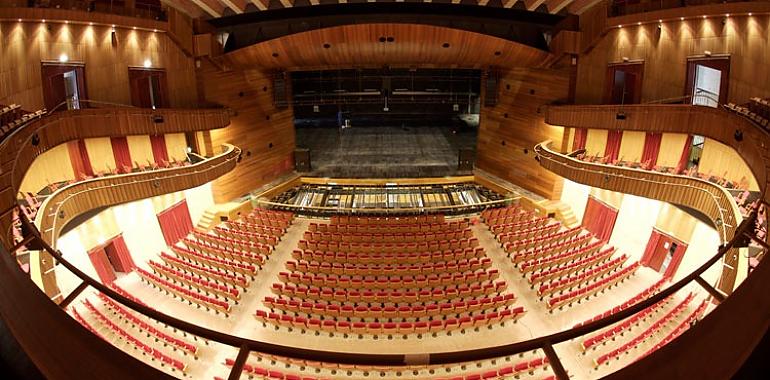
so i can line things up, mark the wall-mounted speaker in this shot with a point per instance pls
(466, 158)
(491, 85)
(280, 91)
(302, 160)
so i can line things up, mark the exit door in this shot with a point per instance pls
(63, 86)
(624, 83)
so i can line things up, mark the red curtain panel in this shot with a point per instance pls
(175, 222)
(122, 255)
(612, 150)
(159, 150)
(650, 249)
(121, 153)
(102, 265)
(579, 142)
(81, 163)
(682, 166)
(651, 149)
(599, 219)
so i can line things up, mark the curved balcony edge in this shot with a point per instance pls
(73, 200)
(710, 199)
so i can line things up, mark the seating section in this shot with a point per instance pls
(757, 110)
(641, 296)
(212, 270)
(645, 331)
(115, 324)
(564, 265)
(530, 365)
(362, 276)
(12, 117)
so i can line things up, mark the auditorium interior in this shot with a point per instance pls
(384, 189)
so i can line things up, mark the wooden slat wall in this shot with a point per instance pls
(26, 44)
(671, 146)
(258, 124)
(631, 146)
(721, 160)
(99, 153)
(665, 55)
(596, 141)
(176, 146)
(53, 166)
(358, 45)
(522, 92)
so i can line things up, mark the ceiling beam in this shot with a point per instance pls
(509, 3)
(579, 6)
(458, 2)
(212, 7)
(314, 2)
(261, 4)
(554, 6)
(238, 6)
(533, 4)
(287, 3)
(481, 2)
(186, 7)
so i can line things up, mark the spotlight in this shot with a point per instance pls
(681, 19)
(639, 23)
(63, 58)
(147, 63)
(43, 21)
(19, 20)
(620, 26)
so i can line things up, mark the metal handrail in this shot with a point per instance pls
(368, 210)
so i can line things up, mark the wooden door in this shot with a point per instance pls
(148, 88)
(718, 63)
(54, 90)
(624, 83)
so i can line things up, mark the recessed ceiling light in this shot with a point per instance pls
(620, 26)
(681, 19)
(639, 23)
(19, 20)
(704, 16)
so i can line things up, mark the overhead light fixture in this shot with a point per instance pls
(43, 21)
(66, 21)
(19, 20)
(91, 23)
(707, 53)
(639, 23)
(620, 26)
(63, 58)
(704, 16)
(147, 63)
(749, 13)
(681, 19)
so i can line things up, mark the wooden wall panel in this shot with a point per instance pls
(176, 145)
(28, 43)
(140, 149)
(596, 141)
(263, 132)
(631, 146)
(100, 153)
(665, 53)
(515, 125)
(675, 222)
(722, 160)
(671, 146)
(52, 166)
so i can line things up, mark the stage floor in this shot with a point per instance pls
(385, 152)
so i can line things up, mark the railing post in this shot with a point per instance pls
(553, 359)
(71, 297)
(240, 361)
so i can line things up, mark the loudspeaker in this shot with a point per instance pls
(302, 160)
(280, 92)
(490, 88)
(465, 159)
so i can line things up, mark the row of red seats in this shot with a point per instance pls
(507, 371)
(240, 225)
(231, 244)
(85, 323)
(389, 269)
(224, 251)
(639, 297)
(278, 214)
(551, 249)
(267, 221)
(144, 348)
(150, 330)
(508, 219)
(518, 226)
(647, 333)
(405, 237)
(391, 312)
(126, 294)
(542, 240)
(232, 278)
(560, 258)
(398, 281)
(257, 237)
(560, 271)
(534, 232)
(603, 336)
(395, 296)
(569, 282)
(215, 262)
(387, 247)
(202, 284)
(593, 288)
(446, 325)
(454, 225)
(375, 258)
(501, 212)
(678, 330)
(369, 220)
(184, 293)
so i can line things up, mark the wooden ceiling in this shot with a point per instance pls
(220, 8)
(378, 45)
